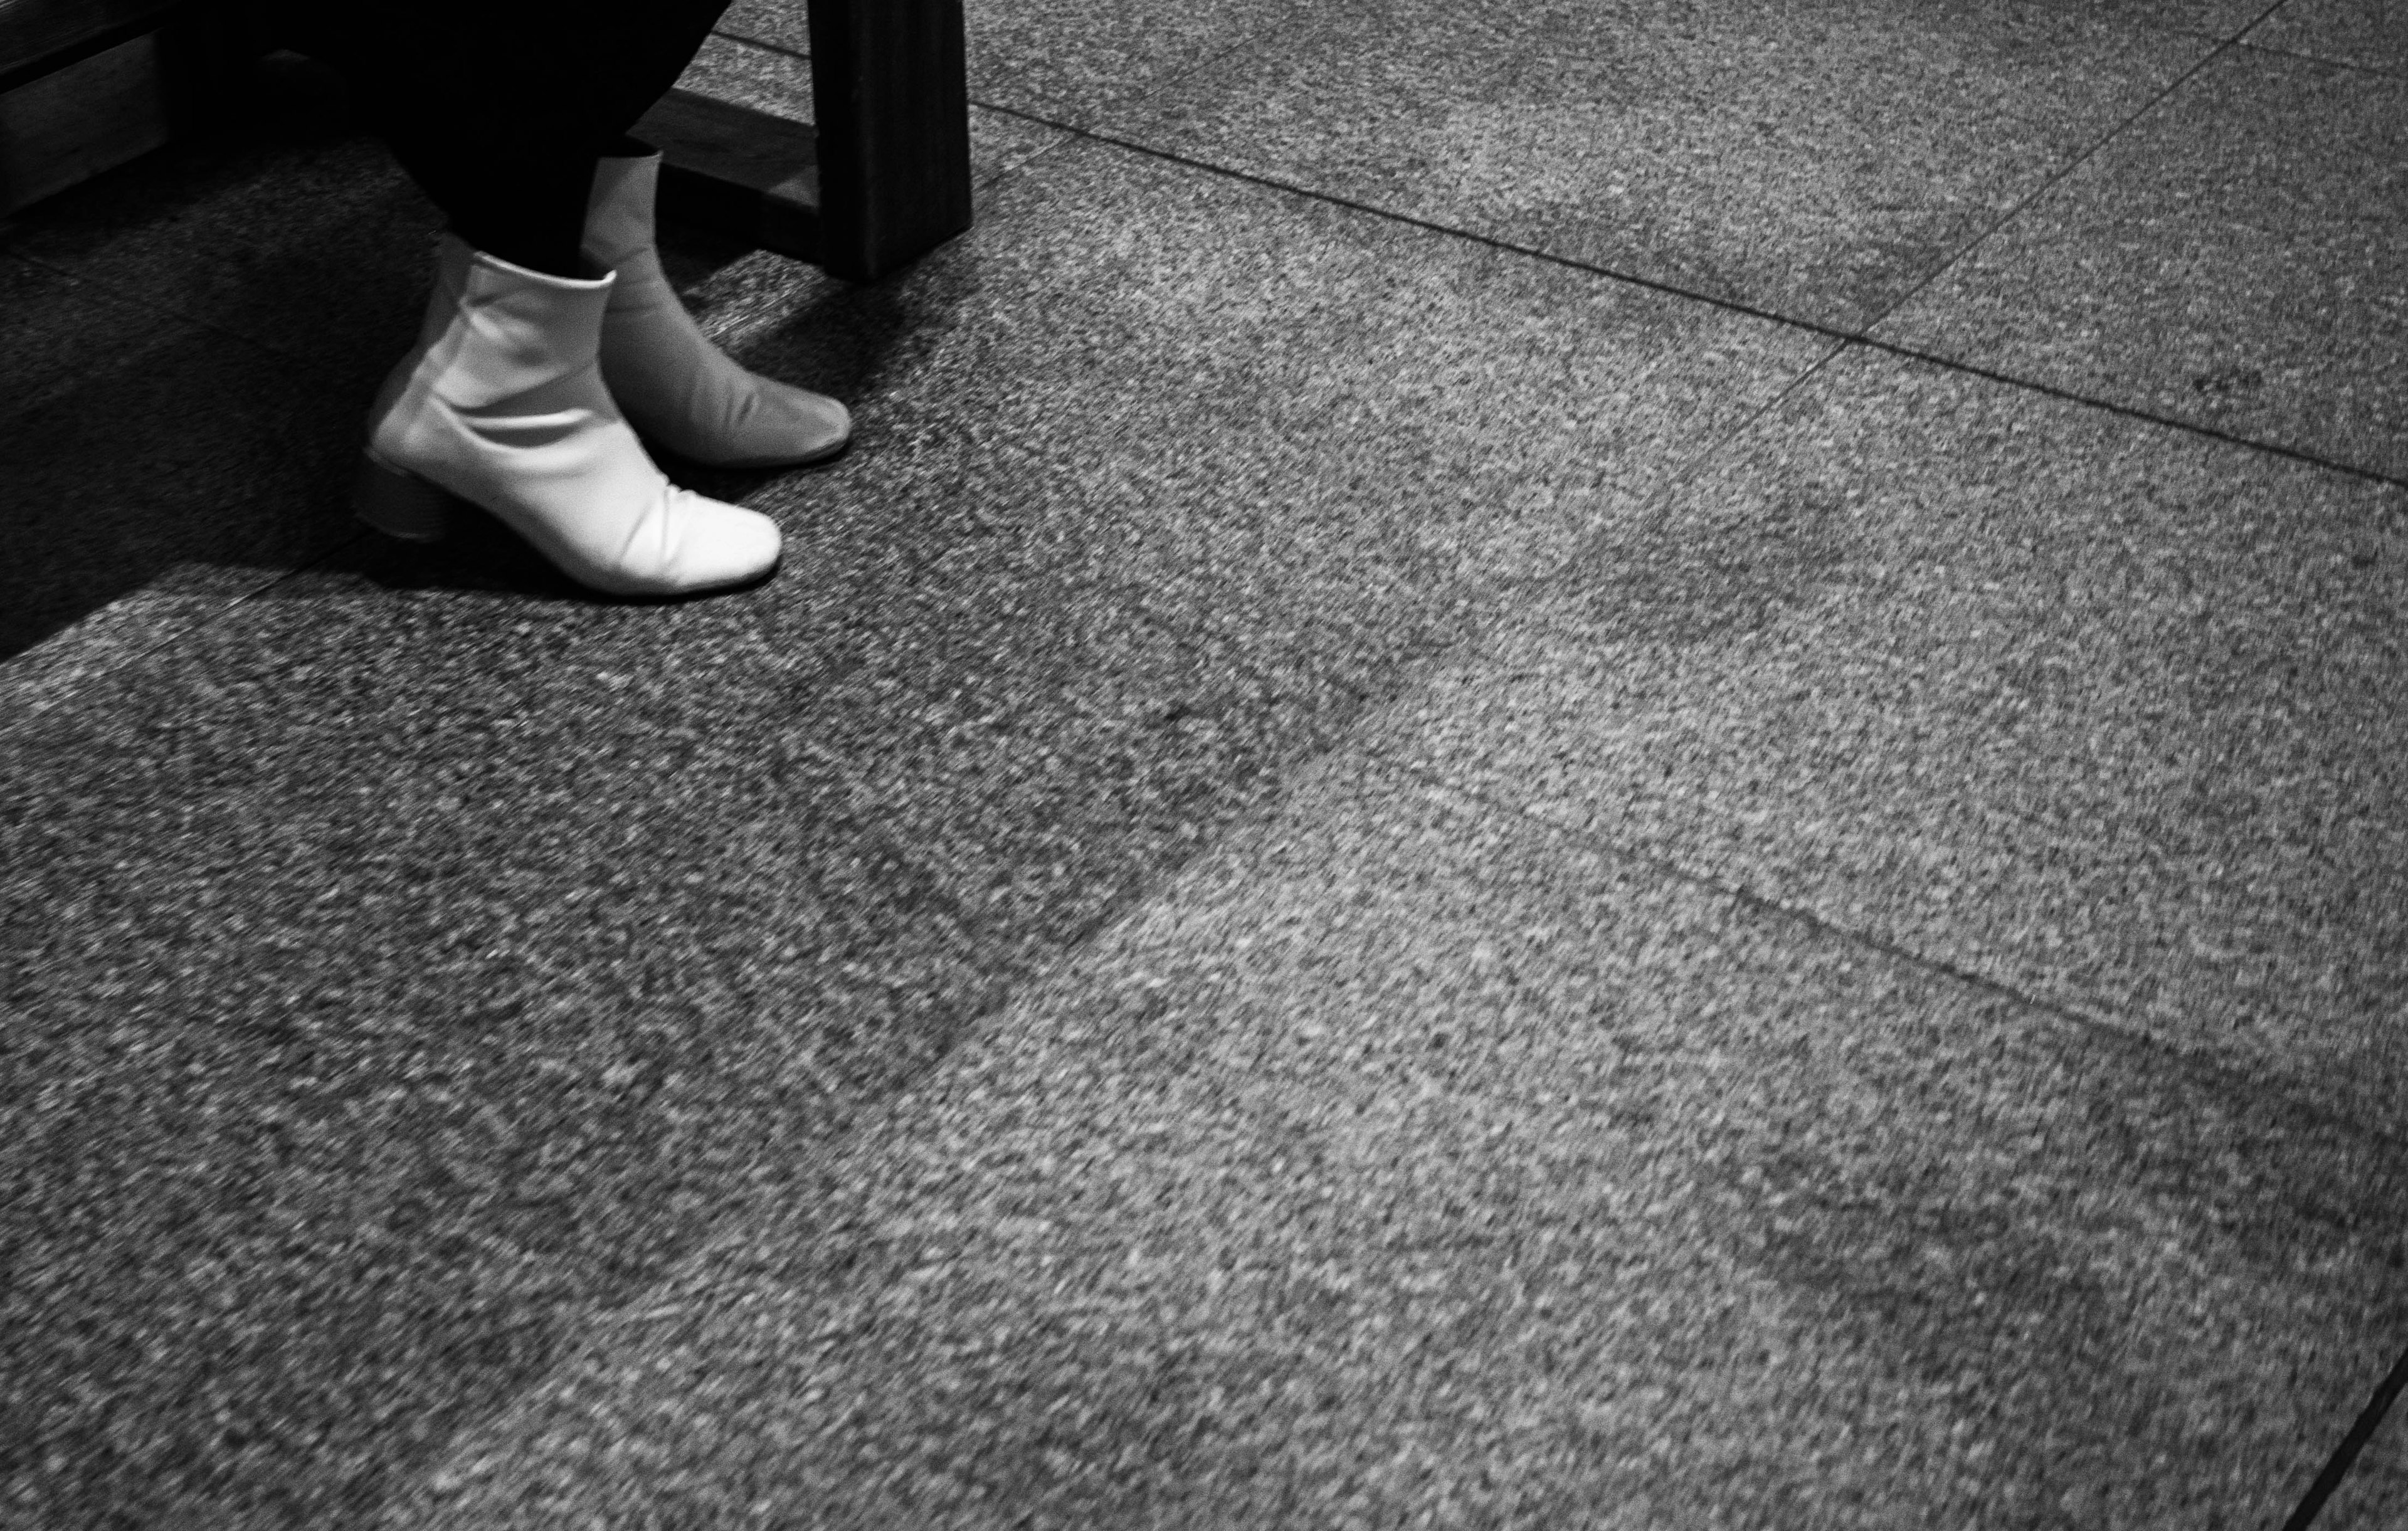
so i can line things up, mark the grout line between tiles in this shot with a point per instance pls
(2071, 1017)
(2061, 174)
(2269, 50)
(2242, 39)
(1429, 226)
(1727, 305)
(764, 44)
(35, 659)
(2132, 412)
(1156, 88)
(127, 294)
(2066, 171)
(1131, 600)
(1844, 341)
(2345, 1456)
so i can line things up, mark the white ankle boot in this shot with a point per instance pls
(678, 389)
(502, 404)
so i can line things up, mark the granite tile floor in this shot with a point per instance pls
(1537, 771)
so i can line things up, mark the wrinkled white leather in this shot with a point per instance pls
(681, 391)
(502, 403)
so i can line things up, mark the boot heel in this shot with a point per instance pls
(398, 503)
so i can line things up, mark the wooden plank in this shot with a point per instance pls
(39, 35)
(737, 171)
(893, 97)
(75, 122)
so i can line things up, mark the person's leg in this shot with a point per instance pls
(678, 388)
(681, 391)
(500, 108)
(643, 49)
(526, 205)
(554, 86)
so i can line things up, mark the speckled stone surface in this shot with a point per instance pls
(159, 460)
(295, 230)
(2108, 713)
(190, 341)
(51, 327)
(391, 970)
(1258, 415)
(1337, 885)
(1063, 60)
(2374, 1495)
(2232, 260)
(733, 69)
(1401, 1162)
(2370, 33)
(1818, 162)
(2222, 20)
(419, 956)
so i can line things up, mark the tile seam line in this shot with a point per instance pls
(1154, 89)
(1862, 336)
(171, 631)
(2067, 1017)
(2270, 51)
(1829, 332)
(2071, 166)
(126, 294)
(1134, 598)
(2345, 1456)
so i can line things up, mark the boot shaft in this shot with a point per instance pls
(619, 216)
(496, 332)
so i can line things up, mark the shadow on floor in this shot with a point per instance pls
(443, 1025)
(192, 339)
(521, 1005)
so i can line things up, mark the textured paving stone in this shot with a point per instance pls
(422, 955)
(1400, 1162)
(1819, 162)
(2103, 712)
(173, 465)
(392, 971)
(2222, 20)
(1063, 60)
(778, 82)
(2230, 260)
(2375, 1493)
(53, 326)
(1252, 412)
(295, 231)
(2372, 33)
(1307, 444)
(957, 1036)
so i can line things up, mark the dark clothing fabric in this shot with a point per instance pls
(498, 108)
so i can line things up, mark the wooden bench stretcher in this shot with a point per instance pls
(881, 177)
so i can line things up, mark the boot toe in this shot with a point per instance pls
(726, 545)
(785, 428)
(686, 546)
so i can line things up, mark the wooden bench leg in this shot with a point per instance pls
(85, 92)
(882, 177)
(895, 130)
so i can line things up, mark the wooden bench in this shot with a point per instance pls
(86, 85)
(881, 179)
